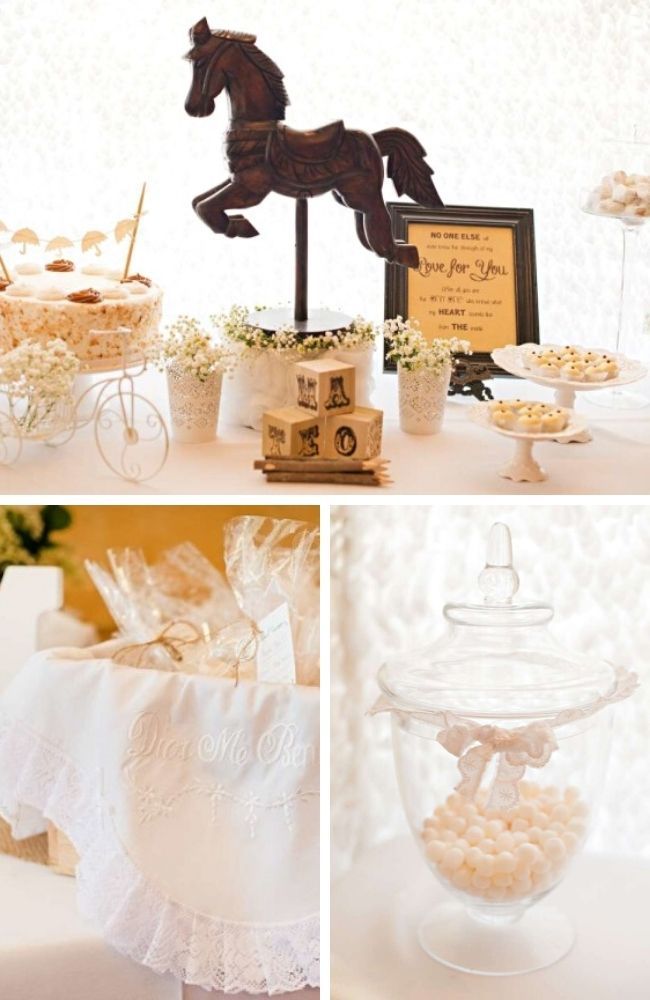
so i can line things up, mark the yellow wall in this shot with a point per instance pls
(153, 529)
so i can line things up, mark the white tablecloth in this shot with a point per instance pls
(193, 804)
(464, 459)
(376, 906)
(48, 951)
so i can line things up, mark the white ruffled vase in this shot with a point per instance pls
(422, 397)
(193, 404)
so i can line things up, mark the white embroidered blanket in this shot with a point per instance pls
(193, 803)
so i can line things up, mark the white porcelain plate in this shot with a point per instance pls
(511, 359)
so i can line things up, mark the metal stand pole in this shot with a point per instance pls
(301, 310)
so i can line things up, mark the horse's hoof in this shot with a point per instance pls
(239, 226)
(407, 255)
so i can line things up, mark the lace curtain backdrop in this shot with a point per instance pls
(392, 571)
(93, 100)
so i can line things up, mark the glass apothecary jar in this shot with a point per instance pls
(501, 739)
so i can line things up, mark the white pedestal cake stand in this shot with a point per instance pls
(523, 468)
(511, 360)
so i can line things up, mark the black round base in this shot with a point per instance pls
(319, 321)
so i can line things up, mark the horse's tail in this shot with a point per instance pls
(407, 168)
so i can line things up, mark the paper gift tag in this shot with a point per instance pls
(275, 660)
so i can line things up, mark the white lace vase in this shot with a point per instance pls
(422, 398)
(193, 405)
(264, 380)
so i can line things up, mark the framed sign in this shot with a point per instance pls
(477, 278)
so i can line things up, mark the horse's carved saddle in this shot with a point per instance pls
(318, 146)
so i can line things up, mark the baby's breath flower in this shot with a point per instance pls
(192, 348)
(236, 328)
(411, 350)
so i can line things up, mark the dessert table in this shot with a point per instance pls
(376, 906)
(463, 459)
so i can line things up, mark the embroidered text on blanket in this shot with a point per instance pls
(152, 736)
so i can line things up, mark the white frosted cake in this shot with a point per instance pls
(63, 300)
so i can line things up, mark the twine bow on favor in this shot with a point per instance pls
(169, 639)
(174, 639)
(247, 649)
(517, 749)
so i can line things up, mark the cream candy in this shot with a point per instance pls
(19, 291)
(28, 268)
(95, 269)
(506, 855)
(621, 194)
(50, 295)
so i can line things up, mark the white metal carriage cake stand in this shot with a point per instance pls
(511, 359)
(523, 467)
(130, 432)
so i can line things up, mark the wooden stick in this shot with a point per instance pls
(345, 465)
(340, 478)
(4, 269)
(138, 213)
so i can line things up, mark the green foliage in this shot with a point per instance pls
(26, 535)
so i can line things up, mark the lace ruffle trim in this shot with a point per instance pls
(135, 917)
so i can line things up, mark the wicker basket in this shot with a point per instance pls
(31, 849)
(62, 856)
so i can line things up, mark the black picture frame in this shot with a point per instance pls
(519, 220)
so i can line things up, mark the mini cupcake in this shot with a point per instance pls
(530, 357)
(504, 418)
(573, 372)
(596, 373)
(529, 423)
(555, 421)
(549, 370)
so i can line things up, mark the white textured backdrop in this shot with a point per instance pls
(510, 99)
(392, 570)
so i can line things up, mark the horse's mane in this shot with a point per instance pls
(270, 71)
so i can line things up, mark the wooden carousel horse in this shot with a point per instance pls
(266, 155)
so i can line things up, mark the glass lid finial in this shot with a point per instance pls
(498, 583)
(498, 580)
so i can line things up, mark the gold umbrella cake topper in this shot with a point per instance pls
(25, 236)
(91, 240)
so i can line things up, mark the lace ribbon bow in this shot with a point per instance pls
(517, 749)
(527, 746)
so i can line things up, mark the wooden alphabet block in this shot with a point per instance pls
(292, 433)
(325, 386)
(354, 435)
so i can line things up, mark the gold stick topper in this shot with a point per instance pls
(134, 233)
(4, 269)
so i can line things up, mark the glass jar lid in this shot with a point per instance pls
(496, 659)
